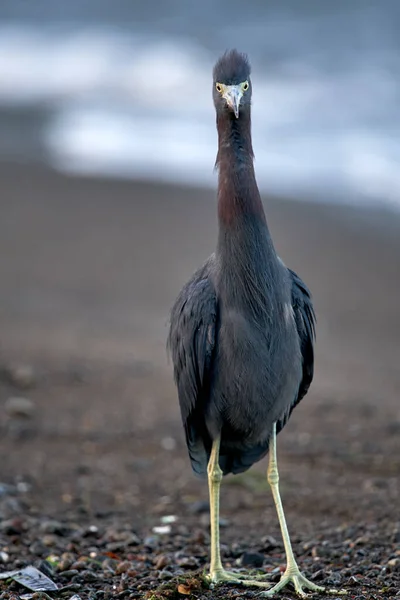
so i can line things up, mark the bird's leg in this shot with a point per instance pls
(214, 483)
(292, 573)
(217, 573)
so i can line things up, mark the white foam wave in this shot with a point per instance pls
(137, 106)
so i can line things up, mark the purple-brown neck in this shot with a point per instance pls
(246, 255)
(238, 195)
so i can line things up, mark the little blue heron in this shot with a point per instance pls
(242, 330)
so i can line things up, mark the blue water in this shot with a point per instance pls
(128, 88)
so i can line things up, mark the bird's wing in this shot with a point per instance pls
(305, 322)
(191, 343)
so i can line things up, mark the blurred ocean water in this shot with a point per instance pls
(124, 89)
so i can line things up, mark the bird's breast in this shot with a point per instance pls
(258, 371)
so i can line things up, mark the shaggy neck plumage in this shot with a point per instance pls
(245, 250)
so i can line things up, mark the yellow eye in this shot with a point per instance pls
(218, 87)
(245, 86)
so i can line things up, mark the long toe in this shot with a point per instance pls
(299, 582)
(248, 576)
(222, 576)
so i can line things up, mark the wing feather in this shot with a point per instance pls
(191, 342)
(305, 322)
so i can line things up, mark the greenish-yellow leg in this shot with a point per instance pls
(217, 572)
(292, 573)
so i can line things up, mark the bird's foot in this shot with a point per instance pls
(221, 576)
(299, 582)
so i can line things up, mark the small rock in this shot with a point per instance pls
(55, 527)
(67, 559)
(49, 540)
(109, 565)
(123, 567)
(6, 490)
(199, 536)
(199, 507)
(11, 526)
(252, 559)
(187, 562)
(38, 548)
(162, 529)
(394, 564)
(22, 376)
(395, 536)
(23, 487)
(128, 539)
(4, 556)
(19, 408)
(165, 575)
(79, 565)
(151, 541)
(168, 443)
(166, 519)
(269, 543)
(161, 561)
(69, 573)
(334, 579)
(89, 576)
(92, 530)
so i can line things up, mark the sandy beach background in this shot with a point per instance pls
(88, 271)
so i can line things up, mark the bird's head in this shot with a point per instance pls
(232, 84)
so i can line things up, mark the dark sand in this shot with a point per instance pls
(88, 271)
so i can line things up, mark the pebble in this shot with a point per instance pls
(23, 487)
(168, 443)
(252, 559)
(270, 543)
(199, 507)
(166, 519)
(123, 567)
(69, 573)
(89, 576)
(162, 529)
(38, 548)
(151, 541)
(18, 407)
(394, 564)
(161, 561)
(334, 579)
(49, 540)
(6, 490)
(199, 536)
(130, 540)
(184, 560)
(51, 526)
(11, 526)
(92, 530)
(20, 375)
(79, 565)
(165, 575)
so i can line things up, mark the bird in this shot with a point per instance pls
(241, 331)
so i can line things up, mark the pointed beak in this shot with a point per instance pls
(233, 95)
